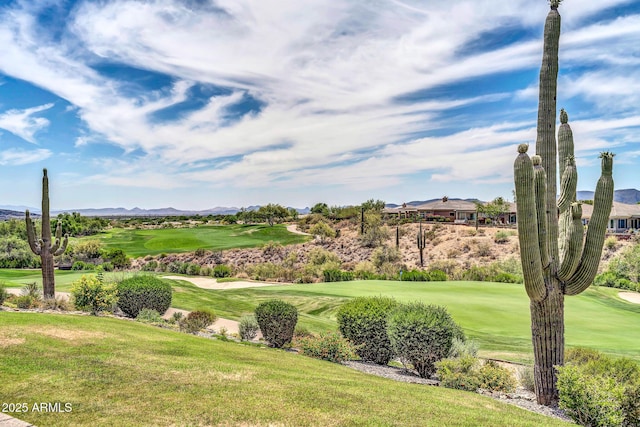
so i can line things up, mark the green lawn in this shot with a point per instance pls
(212, 237)
(495, 314)
(119, 373)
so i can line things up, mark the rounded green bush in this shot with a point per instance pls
(363, 321)
(197, 320)
(422, 335)
(277, 320)
(143, 291)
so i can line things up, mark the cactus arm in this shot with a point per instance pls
(31, 234)
(56, 244)
(528, 226)
(603, 200)
(62, 248)
(573, 244)
(565, 141)
(568, 185)
(540, 185)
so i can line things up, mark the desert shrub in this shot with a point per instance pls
(501, 237)
(265, 271)
(581, 355)
(3, 293)
(526, 378)
(176, 316)
(222, 270)
(414, 276)
(363, 321)
(365, 270)
(150, 266)
(627, 264)
(143, 291)
(503, 277)
(422, 334)
(611, 242)
(467, 373)
(459, 373)
(385, 254)
(26, 302)
(333, 275)
(374, 233)
(451, 268)
(197, 320)
(277, 320)
(206, 271)
(174, 267)
(147, 315)
(33, 290)
(81, 265)
(461, 348)
(57, 303)
(200, 252)
(118, 258)
(329, 346)
(272, 248)
(437, 276)
(85, 250)
(248, 328)
(597, 390)
(302, 332)
(483, 249)
(494, 377)
(106, 266)
(89, 293)
(193, 269)
(322, 230)
(319, 256)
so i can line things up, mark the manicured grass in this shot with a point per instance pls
(212, 237)
(64, 278)
(120, 373)
(495, 314)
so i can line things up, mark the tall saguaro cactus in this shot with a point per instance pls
(43, 246)
(556, 258)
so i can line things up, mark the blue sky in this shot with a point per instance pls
(201, 103)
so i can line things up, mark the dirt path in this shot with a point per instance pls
(633, 297)
(18, 291)
(210, 283)
(293, 228)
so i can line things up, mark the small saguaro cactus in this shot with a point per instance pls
(397, 236)
(557, 259)
(43, 246)
(422, 243)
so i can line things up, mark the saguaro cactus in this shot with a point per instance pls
(43, 246)
(555, 261)
(422, 243)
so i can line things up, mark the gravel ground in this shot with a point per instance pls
(522, 398)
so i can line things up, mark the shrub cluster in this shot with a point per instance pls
(329, 346)
(422, 335)
(197, 320)
(143, 291)
(363, 321)
(277, 320)
(91, 294)
(596, 390)
(221, 271)
(147, 315)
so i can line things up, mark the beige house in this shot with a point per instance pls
(623, 217)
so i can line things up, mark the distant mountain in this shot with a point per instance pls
(112, 212)
(630, 196)
(6, 214)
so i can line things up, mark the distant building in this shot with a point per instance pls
(623, 217)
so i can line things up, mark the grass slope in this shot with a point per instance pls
(213, 237)
(495, 314)
(115, 372)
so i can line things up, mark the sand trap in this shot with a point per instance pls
(633, 297)
(210, 283)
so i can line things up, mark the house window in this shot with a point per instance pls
(622, 223)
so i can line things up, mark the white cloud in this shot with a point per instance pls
(328, 74)
(17, 157)
(22, 123)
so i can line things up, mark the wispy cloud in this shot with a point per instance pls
(23, 123)
(17, 157)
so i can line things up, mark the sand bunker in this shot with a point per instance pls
(633, 297)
